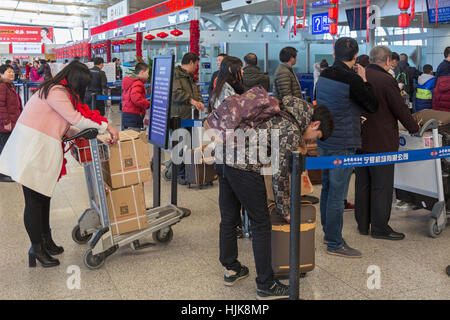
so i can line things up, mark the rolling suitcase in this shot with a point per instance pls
(281, 240)
(199, 172)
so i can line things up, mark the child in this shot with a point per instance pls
(424, 95)
(134, 99)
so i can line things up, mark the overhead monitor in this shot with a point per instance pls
(357, 18)
(443, 9)
(161, 100)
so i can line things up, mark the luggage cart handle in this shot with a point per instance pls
(88, 134)
(430, 124)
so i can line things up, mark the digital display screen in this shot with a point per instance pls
(161, 100)
(443, 10)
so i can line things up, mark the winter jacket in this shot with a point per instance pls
(33, 155)
(253, 77)
(35, 76)
(441, 94)
(227, 91)
(45, 71)
(380, 129)
(346, 95)
(411, 74)
(98, 86)
(286, 83)
(184, 89)
(134, 96)
(442, 70)
(213, 83)
(424, 94)
(10, 107)
(290, 131)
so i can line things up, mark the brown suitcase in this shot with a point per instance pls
(314, 175)
(199, 172)
(281, 241)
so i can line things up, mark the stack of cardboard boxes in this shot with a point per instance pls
(125, 172)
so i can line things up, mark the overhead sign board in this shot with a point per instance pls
(159, 10)
(320, 23)
(118, 10)
(26, 34)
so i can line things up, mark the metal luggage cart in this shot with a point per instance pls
(424, 181)
(95, 220)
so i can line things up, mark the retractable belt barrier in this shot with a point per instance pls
(376, 159)
(115, 98)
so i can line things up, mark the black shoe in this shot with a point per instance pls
(363, 232)
(37, 251)
(448, 270)
(50, 245)
(275, 292)
(231, 276)
(345, 251)
(389, 236)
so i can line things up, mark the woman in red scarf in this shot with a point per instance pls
(33, 155)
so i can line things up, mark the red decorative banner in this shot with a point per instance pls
(26, 34)
(158, 10)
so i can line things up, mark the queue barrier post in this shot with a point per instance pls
(297, 168)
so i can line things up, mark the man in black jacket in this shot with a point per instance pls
(99, 85)
(253, 76)
(347, 94)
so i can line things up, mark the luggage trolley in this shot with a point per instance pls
(422, 182)
(95, 220)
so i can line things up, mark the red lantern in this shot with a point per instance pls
(403, 4)
(176, 32)
(162, 35)
(150, 37)
(332, 13)
(130, 40)
(334, 1)
(333, 28)
(403, 20)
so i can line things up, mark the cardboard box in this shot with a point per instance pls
(129, 160)
(126, 208)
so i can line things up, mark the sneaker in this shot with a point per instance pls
(345, 251)
(349, 206)
(231, 276)
(275, 292)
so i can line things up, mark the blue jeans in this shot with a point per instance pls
(334, 191)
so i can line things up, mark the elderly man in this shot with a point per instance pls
(374, 185)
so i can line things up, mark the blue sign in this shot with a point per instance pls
(320, 23)
(443, 11)
(161, 100)
(376, 159)
(322, 3)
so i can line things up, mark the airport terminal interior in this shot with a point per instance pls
(187, 266)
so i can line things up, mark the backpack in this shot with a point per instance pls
(242, 112)
(402, 78)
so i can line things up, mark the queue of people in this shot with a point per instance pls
(358, 106)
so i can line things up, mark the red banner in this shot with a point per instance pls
(26, 34)
(146, 14)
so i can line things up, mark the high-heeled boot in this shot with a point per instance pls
(50, 245)
(37, 251)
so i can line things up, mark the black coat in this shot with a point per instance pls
(380, 130)
(98, 86)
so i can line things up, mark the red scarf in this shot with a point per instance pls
(93, 115)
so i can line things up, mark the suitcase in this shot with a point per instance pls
(281, 241)
(199, 172)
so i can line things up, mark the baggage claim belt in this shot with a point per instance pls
(376, 159)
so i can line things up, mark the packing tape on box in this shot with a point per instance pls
(114, 212)
(116, 224)
(135, 156)
(136, 208)
(121, 162)
(131, 171)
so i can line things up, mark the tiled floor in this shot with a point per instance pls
(189, 268)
